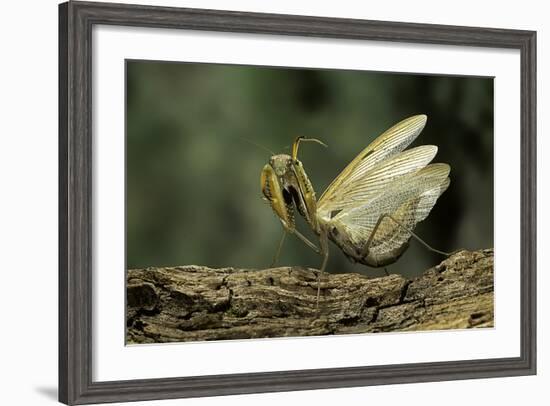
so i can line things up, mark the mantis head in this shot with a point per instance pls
(285, 184)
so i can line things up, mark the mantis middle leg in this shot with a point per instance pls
(323, 251)
(323, 242)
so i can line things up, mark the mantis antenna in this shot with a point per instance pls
(255, 144)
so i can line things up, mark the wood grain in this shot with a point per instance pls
(194, 303)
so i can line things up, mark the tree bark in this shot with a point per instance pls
(195, 303)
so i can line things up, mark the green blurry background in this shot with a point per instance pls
(193, 182)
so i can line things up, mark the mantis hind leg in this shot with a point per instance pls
(366, 249)
(417, 238)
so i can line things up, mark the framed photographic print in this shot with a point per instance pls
(256, 202)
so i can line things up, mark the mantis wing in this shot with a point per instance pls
(390, 143)
(375, 181)
(408, 200)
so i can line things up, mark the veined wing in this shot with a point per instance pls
(376, 181)
(391, 142)
(390, 236)
(409, 200)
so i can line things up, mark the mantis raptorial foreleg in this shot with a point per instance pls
(366, 248)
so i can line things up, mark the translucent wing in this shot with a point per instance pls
(390, 143)
(375, 181)
(408, 199)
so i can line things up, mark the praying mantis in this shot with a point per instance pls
(372, 207)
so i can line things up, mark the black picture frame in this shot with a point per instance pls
(76, 20)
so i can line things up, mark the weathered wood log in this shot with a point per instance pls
(194, 303)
